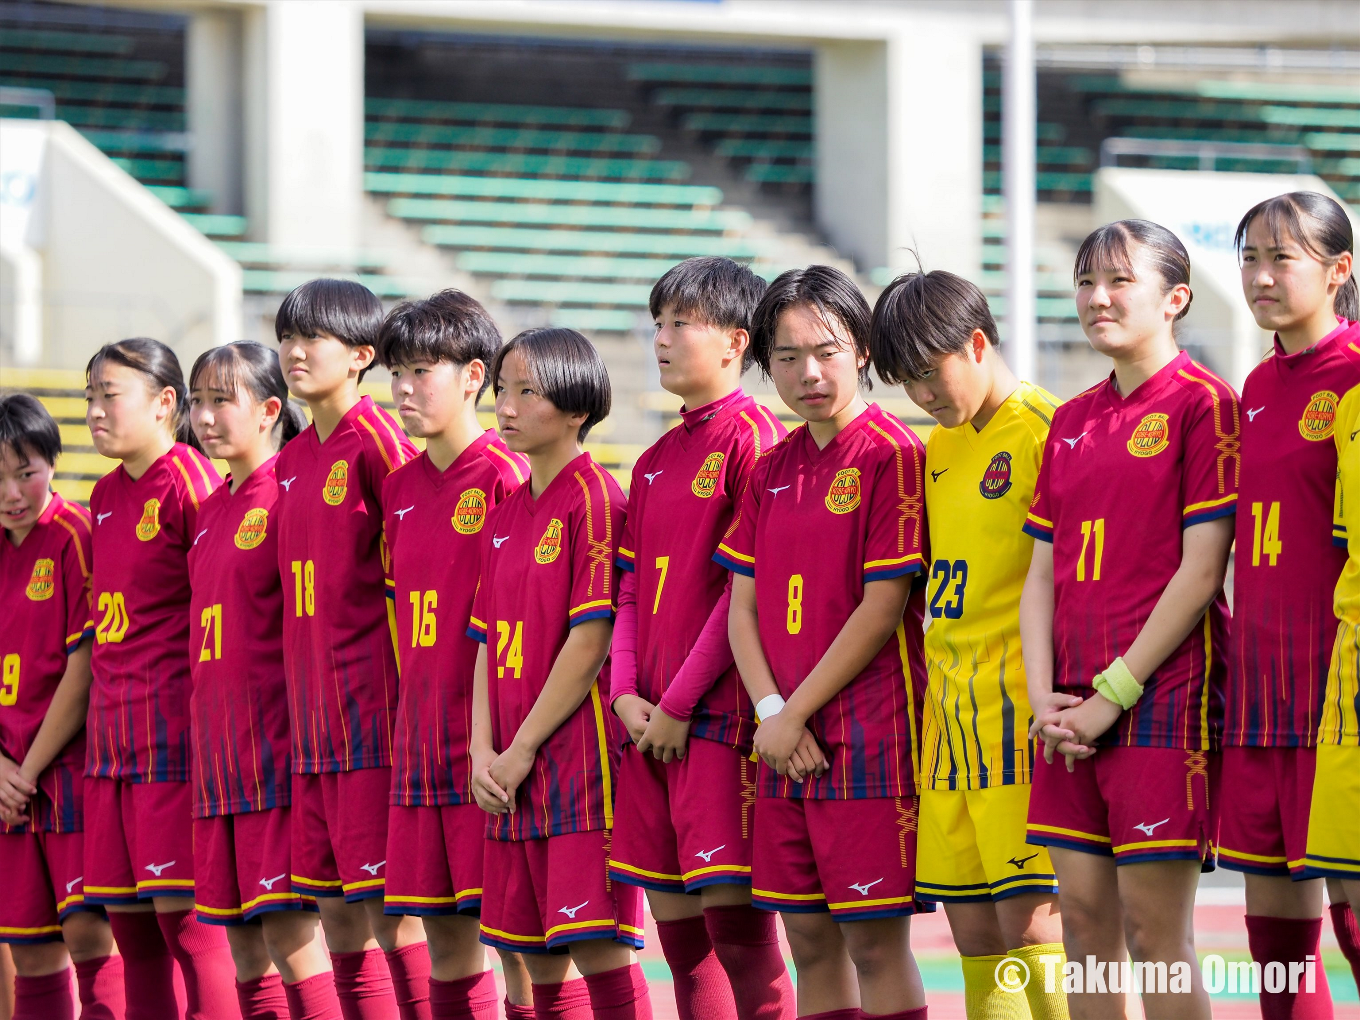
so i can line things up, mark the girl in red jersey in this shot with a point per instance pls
(1297, 278)
(242, 760)
(1133, 516)
(44, 693)
(138, 808)
(823, 552)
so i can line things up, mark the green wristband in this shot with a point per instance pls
(1118, 685)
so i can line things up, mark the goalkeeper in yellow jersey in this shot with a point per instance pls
(934, 334)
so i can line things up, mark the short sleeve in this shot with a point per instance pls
(737, 550)
(895, 542)
(1039, 521)
(477, 625)
(627, 553)
(390, 528)
(76, 585)
(1211, 460)
(595, 524)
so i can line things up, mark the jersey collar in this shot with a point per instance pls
(1282, 357)
(1152, 386)
(710, 411)
(472, 451)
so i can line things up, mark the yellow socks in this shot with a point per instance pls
(1043, 1005)
(983, 996)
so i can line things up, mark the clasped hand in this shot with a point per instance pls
(784, 743)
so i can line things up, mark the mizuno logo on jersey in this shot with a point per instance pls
(1020, 862)
(707, 855)
(1072, 443)
(287, 483)
(74, 882)
(571, 911)
(401, 514)
(499, 540)
(99, 518)
(863, 887)
(1148, 829)
(268, 883)
(935, 475)
(778, 490)
(1252, 412)
(372, 869)
(156, 869)
(652, 475)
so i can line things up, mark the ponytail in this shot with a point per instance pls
(160, 366)
(1320, 227)
(255, 368)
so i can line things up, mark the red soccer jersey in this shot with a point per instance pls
(1121, 478)
(240, 700)
(139, 702)
(337, 645)
(1286, 567)
(548, 565)
(694, 474)
(45, 602)
(813, 528)
(434, 522)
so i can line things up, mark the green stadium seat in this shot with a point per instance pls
(1311, 116)
(779, 173)
(676, 246)
(101, 91)
(454, 160)
(493, 113)
(533, 213)
(167, 171)
(1043, 181)
(181, 198)
(1045, 131)
(720, 74)
(602, 320)
(507, 137)
(1047, 155)
(135, 141)
(121, 117)
(65, 42)
(216, 224)
(747, 124)
(1332, 142)
(1279, 92)
(733, 99)
(281, 281)
(572, 292)
(1052, 309)
(767, 148)
(82, 67)
(549, 190)
(603, 267)
(257, 254)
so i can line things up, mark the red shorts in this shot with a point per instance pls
(139, 840)
(436, 855)
(340, 833)
(1262, 809)
(682, 826)
(241, 866)
(855, 858)
(542, 894)
(43, 875)
(1132, 803)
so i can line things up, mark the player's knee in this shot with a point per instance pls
(39, 958)
(812, 938)
(87, 936)
(876, 948)
(1151, 935)
(248, 951)
(453, 942)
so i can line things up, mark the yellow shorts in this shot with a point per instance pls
(1334, 821)
(970, 847)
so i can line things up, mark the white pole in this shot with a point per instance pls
(1019, 117)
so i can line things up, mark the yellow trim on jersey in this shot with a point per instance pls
(1038, 520)
(1155, 844)
(767, 894)
(109, 890)
(479, 624)
(163, 883)
(590, 605)
(1059, 831)
(497, 933)
(70, 900)
(895, 561)
(47, 929)
(892, 901)
(325, 882)
(581, 925)
(620, 866)
(459, 895)
(726, 869)
(604, 755)
(627, 552)
(727, 550)
(514, 464)
(1224, 851)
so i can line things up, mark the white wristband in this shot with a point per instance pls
(770, 705)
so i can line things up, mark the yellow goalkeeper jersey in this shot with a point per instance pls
(978, 490)
(1341, 704)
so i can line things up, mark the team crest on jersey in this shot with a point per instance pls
(1319, 416)
(252, 529)
(150, 524)
(550, 545)
(470, 512)
(844, 494)
(1152, 435)
(706, 481)
(43, 582)
(996, 480)
(337, 483)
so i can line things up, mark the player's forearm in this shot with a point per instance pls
(481, 742)
(65, 715)
(577, 667)
(1192, 589)
(1036, 623)
(869, 628)
(743, 633)
(623, 645)
(708, 660)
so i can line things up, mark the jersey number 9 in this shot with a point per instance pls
(9, 680)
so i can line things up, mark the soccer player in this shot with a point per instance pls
(439, 351)
(1133, 513)
(544, 752)
(44, 692)
(1333, 847)
(933, 333)
(1285, 574)
(684, 806)
(823, 551)
(242, 776)
(337, 645)
(138, 805)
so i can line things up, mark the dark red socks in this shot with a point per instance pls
(1288, 940)
(1348, 935)
(469, 998)
(746, 941)
(262, 999)
(205, 961)
(101, 988)
(702, 991)
(620, 994)
(363, 984)
(44, 998)
(513, 1012)
(568, 1001)
(410, 968)
(148, 967)
(313, 998)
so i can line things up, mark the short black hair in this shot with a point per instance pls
(448, 326)
(26, 429)
(720, 292)
(921, 316)
(567, 368)
(346, 310)
(833, 295)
